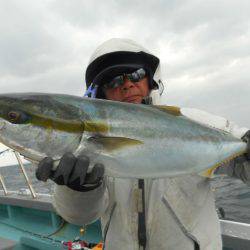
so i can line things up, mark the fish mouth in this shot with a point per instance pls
(2, 124)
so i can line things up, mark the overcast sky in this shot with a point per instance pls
(204, 47)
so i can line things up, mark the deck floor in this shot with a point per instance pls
(7, 244)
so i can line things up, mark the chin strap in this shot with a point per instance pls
(147, 100)
(91, 91)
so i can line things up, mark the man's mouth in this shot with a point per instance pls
(131, 98)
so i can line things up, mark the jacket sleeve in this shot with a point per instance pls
(238, 168)
(80, 208)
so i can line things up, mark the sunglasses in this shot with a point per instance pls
(135, 76)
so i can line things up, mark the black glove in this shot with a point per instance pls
(246, 138)
(72, 172)
(241, 165)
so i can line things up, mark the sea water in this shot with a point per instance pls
(232, 196)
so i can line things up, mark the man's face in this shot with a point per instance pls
(129, 91)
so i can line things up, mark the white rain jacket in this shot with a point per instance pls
(180, 211)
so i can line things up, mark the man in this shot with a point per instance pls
(172, 213)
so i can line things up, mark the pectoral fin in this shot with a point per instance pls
(113, 143)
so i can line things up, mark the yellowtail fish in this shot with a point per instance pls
(131, 140)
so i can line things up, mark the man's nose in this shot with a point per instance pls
(127, 84)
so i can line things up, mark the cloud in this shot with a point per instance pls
(28, 44)
(203, 45)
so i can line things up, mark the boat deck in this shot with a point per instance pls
(28, 223)
(32, 224)
(6, 244)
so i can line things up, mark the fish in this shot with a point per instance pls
(130, 140)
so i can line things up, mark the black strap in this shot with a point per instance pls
(196, 246)
(141, 216)
(147, 100)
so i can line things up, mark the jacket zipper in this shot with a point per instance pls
(142, 238)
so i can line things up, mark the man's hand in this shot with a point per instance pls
(72, 171)
(246, 138)
(241, 165)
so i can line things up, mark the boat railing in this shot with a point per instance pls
(26, 177)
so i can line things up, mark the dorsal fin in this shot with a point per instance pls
(173, 110)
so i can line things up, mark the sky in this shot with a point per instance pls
(204, 47)
(8, 158)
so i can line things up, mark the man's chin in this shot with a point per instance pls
(133, 99)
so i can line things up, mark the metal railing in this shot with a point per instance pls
(20, 163)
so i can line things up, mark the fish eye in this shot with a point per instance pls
(13, 116)
(17, 117)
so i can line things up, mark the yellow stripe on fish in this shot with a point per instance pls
(71, 126)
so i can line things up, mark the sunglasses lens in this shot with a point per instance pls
(137, 75)
(119, 80)
(141, 72)
(134, 77)
(116, 82)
